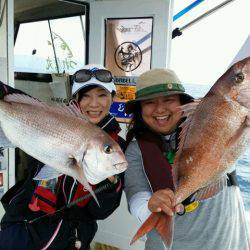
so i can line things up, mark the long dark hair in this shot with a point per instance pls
(137, 126)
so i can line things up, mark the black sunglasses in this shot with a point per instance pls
(85, 75)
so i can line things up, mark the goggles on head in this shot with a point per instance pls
(85, 75)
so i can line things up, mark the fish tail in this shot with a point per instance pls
(162, 223)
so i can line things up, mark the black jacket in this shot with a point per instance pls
(75, 222)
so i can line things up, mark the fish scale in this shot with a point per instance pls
(65, 133)
(54, 135)
(214, 143)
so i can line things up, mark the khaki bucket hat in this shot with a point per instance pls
(156, 83)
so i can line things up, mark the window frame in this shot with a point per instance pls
(39, 76)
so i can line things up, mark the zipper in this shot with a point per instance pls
(144, 170)
(17, 194)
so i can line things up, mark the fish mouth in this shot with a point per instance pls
(121, 166)
(95, 178)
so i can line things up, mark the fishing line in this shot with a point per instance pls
(111, 119)
(60, 222)
(71, 204)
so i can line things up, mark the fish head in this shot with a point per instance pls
(103, 158)
(235, 83)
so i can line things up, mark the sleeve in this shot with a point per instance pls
(108, 200)
(138, 191)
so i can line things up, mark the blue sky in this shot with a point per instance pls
(205, 50)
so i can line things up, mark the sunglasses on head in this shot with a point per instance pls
(85, 75)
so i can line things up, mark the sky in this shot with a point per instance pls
(205, 50)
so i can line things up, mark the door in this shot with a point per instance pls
(7, 164)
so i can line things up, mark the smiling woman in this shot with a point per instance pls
(153, 141)
(160, 113)
(31, 200)
(93, 90)
(95, 103)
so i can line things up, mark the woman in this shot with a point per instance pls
(29, 200)
(215, 223)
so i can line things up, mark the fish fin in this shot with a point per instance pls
(243, 98)
(146, 227)
(21, 98)
(248, 120)
(73, 110)
(189, 108)
(82, 178)
(165, 228)
(62, 108)
(162, 223)
(89, 188)
(234, 139)
(211, 190)
(47, 173)
(187, 111)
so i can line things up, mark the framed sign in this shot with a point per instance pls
(128, 49)
(125, 91)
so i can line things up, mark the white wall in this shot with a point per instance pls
(119, 229)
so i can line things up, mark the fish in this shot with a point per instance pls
(216, 131)
(62, 138)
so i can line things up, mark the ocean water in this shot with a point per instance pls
(243, 163)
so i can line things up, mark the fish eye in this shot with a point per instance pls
(238, 78)
(107, 149)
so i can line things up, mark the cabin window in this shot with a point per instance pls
(51, 46)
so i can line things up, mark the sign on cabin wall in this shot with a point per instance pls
(56, 91)
(128, 49)
(125, 91)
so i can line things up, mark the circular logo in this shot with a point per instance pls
(128, 56)
(170, 86)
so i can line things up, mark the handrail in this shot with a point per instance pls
(178, 31)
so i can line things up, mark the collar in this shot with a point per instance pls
(170, 141)
(166, 143)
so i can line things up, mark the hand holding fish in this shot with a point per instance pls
(62, 138)
(213, 136)
(164, 201)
